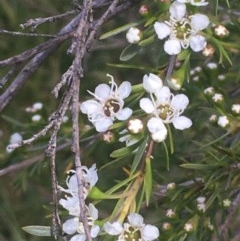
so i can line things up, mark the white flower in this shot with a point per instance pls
(90, 178)
(15, 138)
(73, 225)
(170, 213)
(37, 106)
(152, 83)
(236, 108)
(201, 207)
(217, 97)
(223, 121)
(133, 35)
(134, 229)
(227, 202)
(212, 65)
(108, 105)
(201, 199)
(36, 118)
(157, 129)
(188, 227)
(194, 2)
(213, 118)
(167, 108)
(209, 91)
(183, 31)
(135, 126)
(71, 204)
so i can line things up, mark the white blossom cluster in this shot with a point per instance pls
(163, 108)
(183, 30)
(74, 226)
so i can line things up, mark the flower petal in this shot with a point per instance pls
(147, 105)
(172, 46)
(163, 95)
(177, 10)
(197, 43)
(102, 92)
(155, 125)
(113, 228)
(162, 29)
(90, 107)
(93, 212)
(95, 231)
(152, 83)
(150, 232)
(180, 102)
(124, 114)
(182, 122)
(124, 89)
(199, 22)
(78, 237)
(70, 226)
(102, 125)
(135, 219)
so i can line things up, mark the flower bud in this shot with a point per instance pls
(221, 31)
(143, 10)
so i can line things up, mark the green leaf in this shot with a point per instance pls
(139, 154)
(44, 231)
(148, 180)
(124, 151)
(198, 166)
(118, 30)
(129, 52)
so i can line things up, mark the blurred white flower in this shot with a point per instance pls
(14, 138)
(36, 118)
(134, 229)
(90, 178)
(133, 35)
(188, 227)
(227, 202)
(35, 107)
(213, 118)
(183, 31)
(108, 105)
(217, 97)
(194, 2)
(236, 108)
(223, 121)
(201, 199)
(212, 65)
(73, 225)
(209, 91)
(167, 108)
(170, 213)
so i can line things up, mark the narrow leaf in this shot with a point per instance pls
(44, 231)
(139, 154)
(129, 52)
(148, 180)
(118, 30)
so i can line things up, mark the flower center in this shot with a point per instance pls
(182, 29)
(111, 107)
(132, 234)
(165, 112)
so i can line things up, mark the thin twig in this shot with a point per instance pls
(170, 68)
(29, 162)
(3, 31)
(34, 23)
